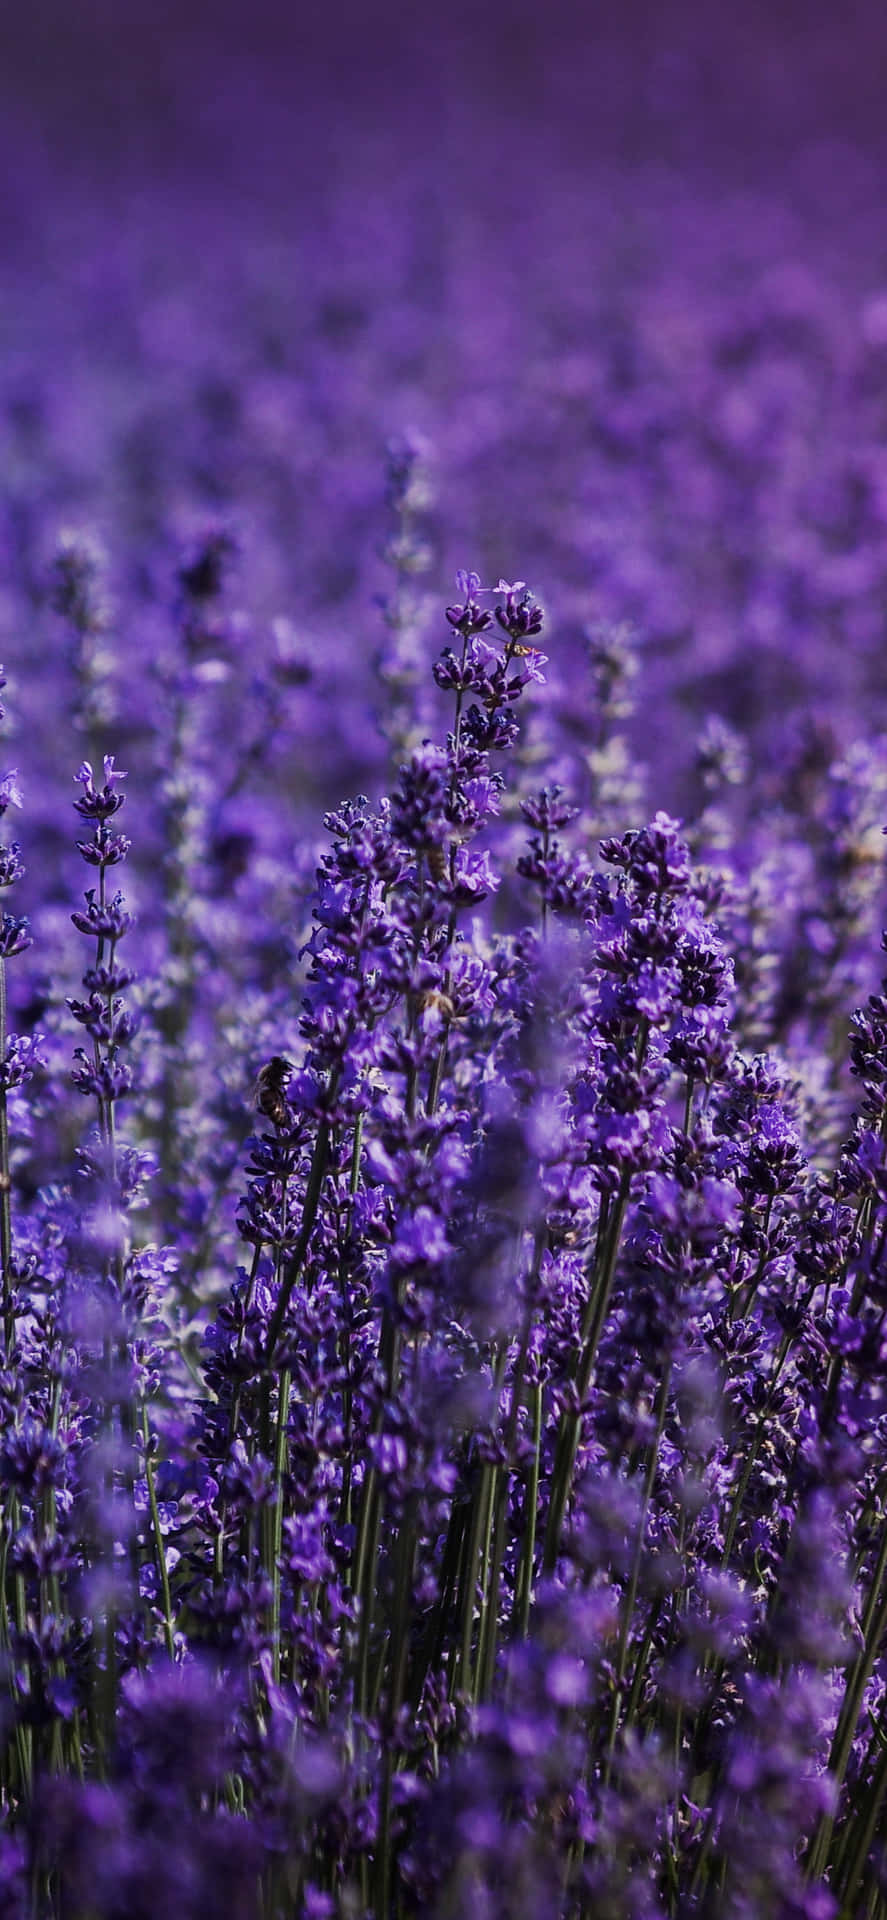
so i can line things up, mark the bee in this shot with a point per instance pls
(269, 1093)
(441, 1003)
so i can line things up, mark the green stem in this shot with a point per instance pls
(495, 1546)
(23, 1738)
(367, 1545)
(631, 1594)
(433, 1641)
(479, 1524)
(481, 1533)
(524, 1595)
(571, 1421)
(490, 1567)
(345, 1342)
(233, 1417)
(642, 1661)
(313, 1192)
(752, 1455)
(852, 1859)
(873, 1624)
(159, 1550)
(396, 1686)
(280, 1459)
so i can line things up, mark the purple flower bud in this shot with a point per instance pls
(110, 1080)
(11, 864)
(473, 878)
(110, 922)
(107, 851)
(467, 617)
(10, 791)
(15, 936)
(520, 616)
(98, 803)
(108, 979)
(25, 1054)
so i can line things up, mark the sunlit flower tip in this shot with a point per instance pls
(468, 583)
(10, 791)
(515, 586)
(86, 778)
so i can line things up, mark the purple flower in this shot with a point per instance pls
(99, 803)
(10, 792)
(15, 935)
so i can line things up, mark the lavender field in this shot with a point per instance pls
(443, 995)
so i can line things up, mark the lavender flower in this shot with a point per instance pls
(448, 1472)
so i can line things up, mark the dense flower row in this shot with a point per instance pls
(506, 1534)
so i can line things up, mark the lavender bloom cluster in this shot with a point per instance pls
(503, 1531)
(443, 1132)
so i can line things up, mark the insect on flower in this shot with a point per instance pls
(269, 1093)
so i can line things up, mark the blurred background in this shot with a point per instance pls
(623, 271)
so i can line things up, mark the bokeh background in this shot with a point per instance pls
(624, 267)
